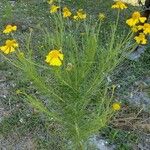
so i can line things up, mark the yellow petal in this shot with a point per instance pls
(142, 19)
(144, 41)
(54, 9)
(7, 42)
(140, 27)
(75, 17)
(129, 22)
(16, 45)
(55, 62)
(48, 59)
(134, 29)
(61, 56)
(14, 28)
(132, 22)
(137, 39)
(3, 48)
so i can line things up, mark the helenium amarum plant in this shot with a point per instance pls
(77, 59)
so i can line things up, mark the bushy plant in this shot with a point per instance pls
(72, 81)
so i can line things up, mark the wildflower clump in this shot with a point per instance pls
(119, 5)
(54, 58)
(74, 92)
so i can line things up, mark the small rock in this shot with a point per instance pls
(135, 55)
(140, 99)
(100, 143)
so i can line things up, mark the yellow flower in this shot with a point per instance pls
(9, 46)
(66, 12)
(80, 15)
(119, 5)
(141, 39)
(50, 1)
(9, 28)
(136, 18)
(54, 9)
(145, 28)
(54, 58)
(101, 16)
(116, 106)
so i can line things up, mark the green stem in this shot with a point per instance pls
(79, 143)
(80, 146)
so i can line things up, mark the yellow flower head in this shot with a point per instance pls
(145, 28)
(50, 1)
(80, 15)
(9, 28)
(66, 12)
(54, 58)
(136, 18)
(54, 9)
(9, 46)
(141, 39)
(116, 106)
(119, 5)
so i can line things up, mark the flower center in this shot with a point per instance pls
(55, 55)
(136, 15)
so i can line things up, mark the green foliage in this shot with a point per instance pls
(122, 139)
(20, 122)
(7, 12)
